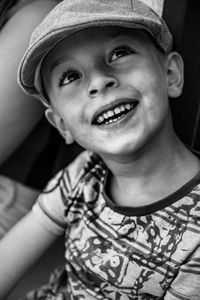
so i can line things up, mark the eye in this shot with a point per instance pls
(120, 52)
(69, 77)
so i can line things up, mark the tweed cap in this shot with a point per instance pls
(70, 16)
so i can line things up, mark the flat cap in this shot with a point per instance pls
(70, 16)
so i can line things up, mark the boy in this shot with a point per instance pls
(129, 206)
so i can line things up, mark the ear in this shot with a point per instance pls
(55, 120)
(175, 75)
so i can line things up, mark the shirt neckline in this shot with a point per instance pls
(183, 191)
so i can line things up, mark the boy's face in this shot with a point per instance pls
(108, 87)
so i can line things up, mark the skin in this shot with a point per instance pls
(86, 73)
(19, 112)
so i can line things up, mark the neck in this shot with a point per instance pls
(152, 173)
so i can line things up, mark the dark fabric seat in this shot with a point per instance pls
(39, 157)
(182, 17)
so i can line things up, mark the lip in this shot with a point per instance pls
(112, 105)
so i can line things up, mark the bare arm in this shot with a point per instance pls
(20, 249)
(19, 113)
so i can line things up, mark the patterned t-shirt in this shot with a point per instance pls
(123, 253)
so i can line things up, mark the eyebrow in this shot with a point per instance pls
(117, 36)
(58, 61)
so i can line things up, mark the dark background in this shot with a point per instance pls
(183, 19)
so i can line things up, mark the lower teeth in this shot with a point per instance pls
(114, 120)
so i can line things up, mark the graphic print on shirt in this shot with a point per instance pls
(112, 255)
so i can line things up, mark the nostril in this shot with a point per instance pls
(110, 84)
(93, 92)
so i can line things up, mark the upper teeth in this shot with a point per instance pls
(116, 111)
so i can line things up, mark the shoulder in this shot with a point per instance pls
(81, 166)
(68, 178)
(81, 177)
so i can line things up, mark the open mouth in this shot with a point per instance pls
(115, 114)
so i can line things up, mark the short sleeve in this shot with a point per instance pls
(186, 286)
(49, 208)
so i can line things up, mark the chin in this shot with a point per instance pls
(122, 150)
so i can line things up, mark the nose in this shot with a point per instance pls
(100, 82)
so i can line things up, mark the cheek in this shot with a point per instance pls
(74, 116)
(154, 89)
(154, 103)
(144, 79)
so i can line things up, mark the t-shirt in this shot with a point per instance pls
(123, 253)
